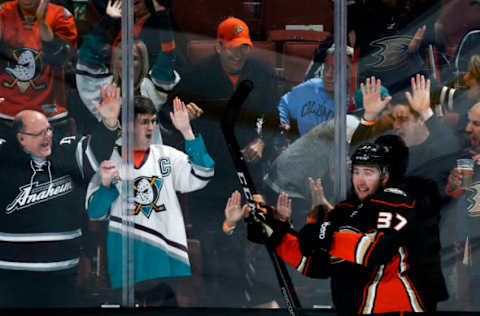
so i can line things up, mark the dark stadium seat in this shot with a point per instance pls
(199, 18)
(296, 57)
(278, 13)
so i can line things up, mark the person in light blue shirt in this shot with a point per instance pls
(311, 102)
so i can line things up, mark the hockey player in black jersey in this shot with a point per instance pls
(370, 245)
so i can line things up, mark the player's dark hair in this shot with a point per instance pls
(143, 105)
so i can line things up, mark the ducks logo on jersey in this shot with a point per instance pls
(147, 191)
(26, 70)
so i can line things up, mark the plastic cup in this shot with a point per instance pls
(465, 167)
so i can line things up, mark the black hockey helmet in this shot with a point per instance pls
(388, 153)
(370, 154)
(398, 154)
(375, 155)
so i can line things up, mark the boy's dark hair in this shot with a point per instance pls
(143, 105)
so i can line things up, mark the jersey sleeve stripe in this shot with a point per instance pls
(201, 177)
(302, 265)
(79, 157)
(374, 237)
(307, 266)
(371, 292)
(415, 301)
(90, 156)
(364, 248)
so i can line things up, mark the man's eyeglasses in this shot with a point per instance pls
(147, 121)
(41, 133)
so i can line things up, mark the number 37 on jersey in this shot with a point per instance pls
(388, 220)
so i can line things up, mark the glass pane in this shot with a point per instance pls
(189, 242)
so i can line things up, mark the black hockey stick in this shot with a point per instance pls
(228, 125)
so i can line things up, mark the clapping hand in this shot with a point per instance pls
(114, 10)
(110, 107)
(372, 99)
(284, 207)
(181, 120)
(233, 210)
(108, 170)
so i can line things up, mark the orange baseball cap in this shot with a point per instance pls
(233, 32)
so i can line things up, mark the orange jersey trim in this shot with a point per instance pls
(344, 244)
(168, 47)
(354, 247)
(289, 250)
(395, 205)
(345, 204)
(138, 157)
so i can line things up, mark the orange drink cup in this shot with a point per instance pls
(465, 167)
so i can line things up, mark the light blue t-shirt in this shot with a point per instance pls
(309, 104)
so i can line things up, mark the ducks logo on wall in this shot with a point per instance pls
(392, 52)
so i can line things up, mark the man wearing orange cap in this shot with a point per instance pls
(233, 46)
(211, 82)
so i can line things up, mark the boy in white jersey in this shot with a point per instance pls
(160, 244)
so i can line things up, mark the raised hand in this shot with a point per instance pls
(114, 10)
(318, 195)
(108, 171)
(45, 30)
(233, 211)
(41, 10)
(254, 151)
(417, 39)
(284, 207)
(181, 120)
(419, 99)
(372, 98)
(110, 107)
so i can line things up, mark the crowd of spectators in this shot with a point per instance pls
(58, 84)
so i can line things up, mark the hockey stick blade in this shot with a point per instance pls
(228, 128)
